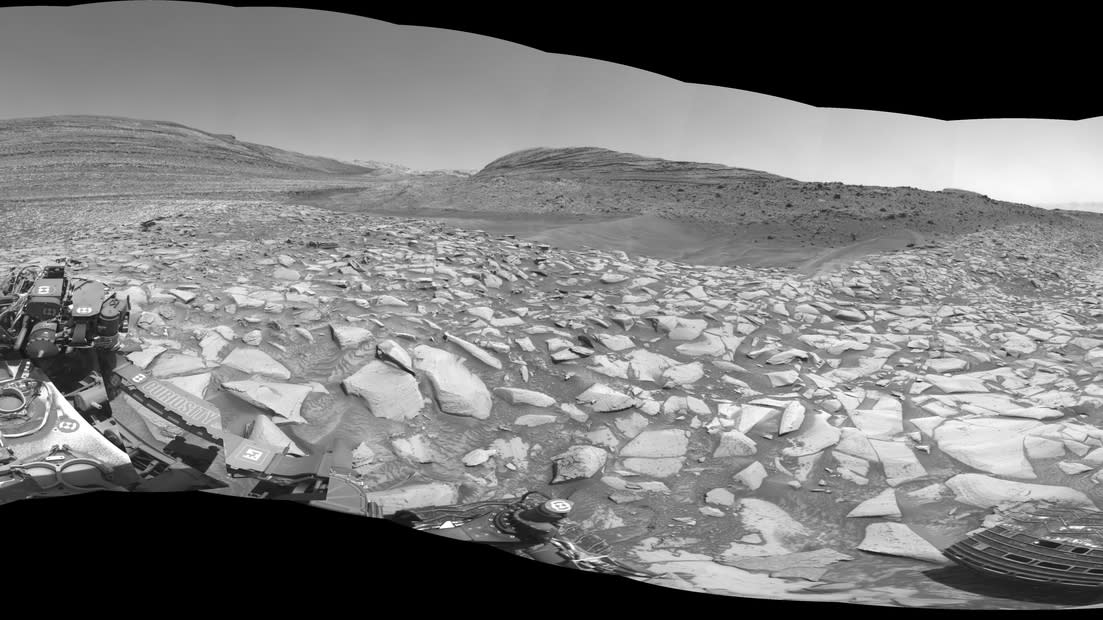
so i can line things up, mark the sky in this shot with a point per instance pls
(353, 88)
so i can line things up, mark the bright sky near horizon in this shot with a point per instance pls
(348, 87)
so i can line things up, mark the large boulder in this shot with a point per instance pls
(389, 392)
(457, 390)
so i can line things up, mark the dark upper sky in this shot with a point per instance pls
(349, 87)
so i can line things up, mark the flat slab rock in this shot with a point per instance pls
(664, 443)
(265, 430)
(519, 396)
(986, 492)
(389, 392)
(993, 445)
(256, 362)
(881, 505)
(899, 540)
(283, 399)
(604, 399)
(414, 496)
(457, 390)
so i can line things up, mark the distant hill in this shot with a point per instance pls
(734, 203)
(66, 158)
(598, 163)
(62, 156)
(1090, 207)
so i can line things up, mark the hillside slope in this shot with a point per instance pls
(70, 156)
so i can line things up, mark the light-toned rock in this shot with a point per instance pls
(475, 351)
(350, 336)
(720, 497)
(956, 385)
(1044, 448)
(604, 399)
(478, 457)
(684, 374)
(986, 492)
(819, 436)
(783, 378)
(579, 462)
(655, 467)
(519, 396)
(752, 476)
(1034, 413)
(899, 540)
(855, 443)
(792, 418)
(885, 420)
(618, 342)
(663, 443)
(898, 461)
(417, 448)
(389, 300)
(778, 532)
(283, 399)
(193, 384)
(283, 273)
(993, 445)
(457, 390)
(414, 496)
(734, 443)
(175, 364)
(708, 344)
(389, 392)
(142, 359)
(751, 415)
(266, 431)
(881, 505)
(256, 362)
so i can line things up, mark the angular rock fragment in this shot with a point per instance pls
(266, 431)
(578, 463)
(604, 399)
(734, 443)
(350, 336)
(899, 540)
(986, 492)
(752, 476)
(881, 505)
(664, 443)
(474, 351)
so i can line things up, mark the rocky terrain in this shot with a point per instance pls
(747, 431)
